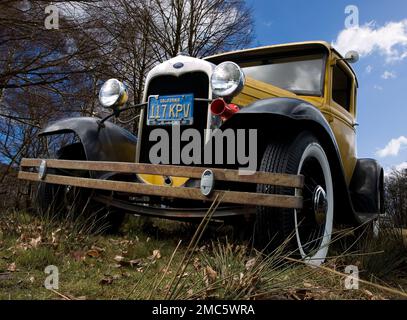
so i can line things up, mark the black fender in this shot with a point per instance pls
(366, 187)
(106, 142)
(285, 117)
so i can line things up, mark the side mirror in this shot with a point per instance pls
(352, 56)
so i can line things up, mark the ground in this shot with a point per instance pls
(156, 259)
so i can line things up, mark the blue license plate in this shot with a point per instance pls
(170, 110)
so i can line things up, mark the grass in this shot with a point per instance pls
(156, 259)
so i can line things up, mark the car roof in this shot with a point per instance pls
(278, 48)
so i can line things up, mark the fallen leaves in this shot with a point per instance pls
(250, 264)
(26, 242)
(197, 264)
(123, 262)
(301, 294)
(135, 262)
(372, 296)
(119, 258)
(78, 255)
(93, 253)
(210, 275)
(156, 255)
(106, 281)
(99, 249)
(54, 234)
(12, 267)
(166, 270)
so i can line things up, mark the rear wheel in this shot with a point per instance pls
(308, 228)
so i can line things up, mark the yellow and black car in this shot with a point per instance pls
(300, 99)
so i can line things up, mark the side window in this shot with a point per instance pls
(341, 87)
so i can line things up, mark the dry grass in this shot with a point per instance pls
(404, 233)
(157, 259)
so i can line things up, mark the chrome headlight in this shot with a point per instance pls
(227, 79)
(113, 93)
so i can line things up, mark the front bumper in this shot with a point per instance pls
(36, 170)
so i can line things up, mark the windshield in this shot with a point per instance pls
(303, 75)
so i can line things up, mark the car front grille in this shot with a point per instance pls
(193, 82)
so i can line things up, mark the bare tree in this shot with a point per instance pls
(50, 74)
(396, 197)
(44, 75)
(143, 33)
(199, 27)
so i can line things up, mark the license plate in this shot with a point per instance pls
(170, 110)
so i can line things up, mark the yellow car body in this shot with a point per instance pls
(341, 121)
(275, 111)
(296, 101)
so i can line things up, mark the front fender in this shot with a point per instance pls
(287, 109)
(286, 117)
(279, 115)
(108, 142)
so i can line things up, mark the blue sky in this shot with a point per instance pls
(380, 37)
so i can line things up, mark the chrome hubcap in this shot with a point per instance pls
(320, 204)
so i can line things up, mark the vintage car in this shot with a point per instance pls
(300, 100)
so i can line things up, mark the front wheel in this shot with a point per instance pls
(309, 229)
(67, 202)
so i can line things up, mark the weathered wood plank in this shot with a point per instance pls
(276, 179)
(248, 198)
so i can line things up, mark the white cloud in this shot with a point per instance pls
(73, 10)
(369, 69)
(389, 40)
(398, 167)
(377, 87)
(393, 147)
(24, 5)
(268, 23)
(388, 75)
(401, 166)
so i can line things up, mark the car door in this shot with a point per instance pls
(343, 110)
